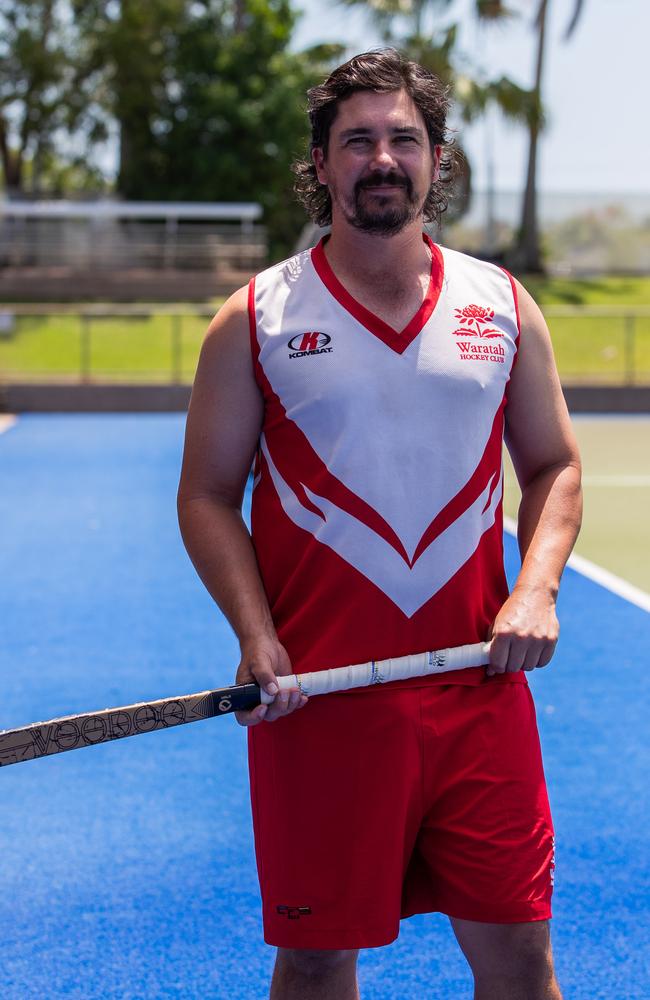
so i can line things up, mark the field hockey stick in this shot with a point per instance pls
(71, 732)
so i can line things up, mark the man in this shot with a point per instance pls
(372, 378)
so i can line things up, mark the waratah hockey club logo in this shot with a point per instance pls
(475, 322)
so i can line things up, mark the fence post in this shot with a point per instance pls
(84, 349)
(177, 349)
(629, 348)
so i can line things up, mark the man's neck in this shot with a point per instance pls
(370, 257)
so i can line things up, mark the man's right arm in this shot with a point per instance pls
(223, 428)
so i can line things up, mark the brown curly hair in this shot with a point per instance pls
(381, 71)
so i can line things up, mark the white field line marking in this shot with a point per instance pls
(599, 575)
(622, 480)
(7, 420)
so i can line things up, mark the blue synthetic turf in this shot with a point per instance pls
(127, 870)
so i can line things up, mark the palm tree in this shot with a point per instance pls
(527, 252)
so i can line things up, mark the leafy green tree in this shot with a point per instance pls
(208, 99)
(35, 80)
(234, 114)
(126, 51)
(47, 128)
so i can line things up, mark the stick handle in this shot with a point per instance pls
(400, 668)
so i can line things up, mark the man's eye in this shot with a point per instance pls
(358, 140)
(405, 138)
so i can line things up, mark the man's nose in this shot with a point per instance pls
(382, 156)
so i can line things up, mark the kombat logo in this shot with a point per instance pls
(306, 344)
(293, 912)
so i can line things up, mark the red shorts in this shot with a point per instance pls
(376, 804)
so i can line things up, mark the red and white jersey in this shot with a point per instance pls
(376, 514)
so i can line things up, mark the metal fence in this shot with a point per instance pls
(148, 344)
(108, 235)
(127, 251)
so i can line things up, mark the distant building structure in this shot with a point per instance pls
(124, 251)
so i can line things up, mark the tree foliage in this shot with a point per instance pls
(208, 99)
(36, 78)
(205, 96)
(232, 118)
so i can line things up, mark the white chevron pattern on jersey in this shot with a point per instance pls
(409, 586)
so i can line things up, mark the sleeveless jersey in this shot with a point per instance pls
(376, 513)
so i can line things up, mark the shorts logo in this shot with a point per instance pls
(293, 912)
(552, 864)
(306, 344)
(475, 322)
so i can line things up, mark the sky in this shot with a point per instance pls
(596, 89)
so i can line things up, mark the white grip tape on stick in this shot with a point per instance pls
(400, 668)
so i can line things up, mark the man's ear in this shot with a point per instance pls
(437, 156)
(318, 159)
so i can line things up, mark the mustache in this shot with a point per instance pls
(377, 179)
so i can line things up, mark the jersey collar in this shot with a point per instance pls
(397, 340)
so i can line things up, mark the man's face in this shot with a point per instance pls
(379, 165)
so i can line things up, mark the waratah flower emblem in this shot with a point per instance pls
(473, 319)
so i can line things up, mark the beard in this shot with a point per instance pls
(382, 215)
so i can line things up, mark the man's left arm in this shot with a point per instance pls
(544, 452)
